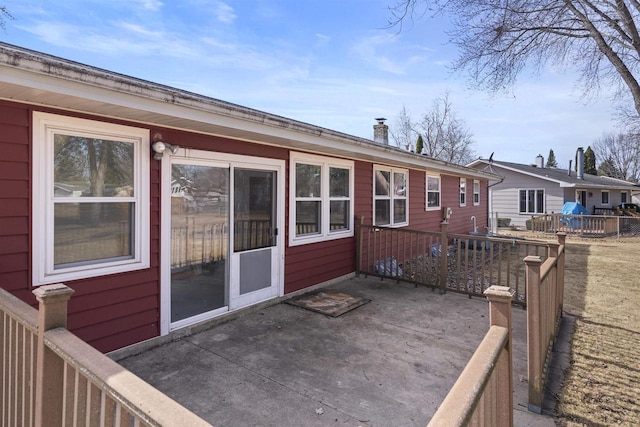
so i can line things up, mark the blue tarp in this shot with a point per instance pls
(388, 267)
(572, 208)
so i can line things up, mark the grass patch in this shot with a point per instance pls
(602, 288)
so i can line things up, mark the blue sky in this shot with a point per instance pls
(331, 63)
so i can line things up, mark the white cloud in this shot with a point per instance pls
(372, 49)
(151, 4)
(224, 13)
(322, 39)
(139, 30)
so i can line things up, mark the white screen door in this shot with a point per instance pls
(255, 255)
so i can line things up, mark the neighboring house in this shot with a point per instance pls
(528, 190)
(162, 208)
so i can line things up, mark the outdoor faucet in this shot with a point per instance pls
(475, 226)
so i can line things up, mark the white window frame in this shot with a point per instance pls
(535, 200)
(463, 192)
(392, 197)
(325, 164)
(476, 192)
(44, 127)
(608, 202)
(426, 202)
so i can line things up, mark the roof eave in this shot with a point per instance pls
(39, 79)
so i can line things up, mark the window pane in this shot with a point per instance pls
(433, 184)
(476, 192)
(382, 182)
(623, 197)
(523, 201)
(540, 201)
(92, 232)
(339, 215)
(382, 212)
(307, 180)
(86, 167)
(531, 201)
(605, 197)
(433, 199)
(308, 218)
(199, 239)
(399, 211)
(253, 209)
(400, 184)
(338, 182)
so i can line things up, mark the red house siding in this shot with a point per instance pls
(419, 217)
(15, 182)
(108, 312)
(114, 311)
(460, 221)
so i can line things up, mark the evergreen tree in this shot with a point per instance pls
(419, 145)
(551, 160)
(590, 162)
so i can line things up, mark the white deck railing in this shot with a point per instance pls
(50, 377)
(483, 394)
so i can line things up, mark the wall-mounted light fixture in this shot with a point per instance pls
(159, 147)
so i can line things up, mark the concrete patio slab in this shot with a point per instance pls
(387, 363)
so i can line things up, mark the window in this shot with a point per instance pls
(433, 192)
(390, 196)
(605, 197)
(91, 198)
(476, 192)
(463, 192)
(531, 201)
(623, 197)
(321, 204)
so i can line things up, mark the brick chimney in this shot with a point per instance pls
(381, 132)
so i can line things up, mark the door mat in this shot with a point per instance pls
(331, 303)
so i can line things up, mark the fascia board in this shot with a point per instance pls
(131, 99)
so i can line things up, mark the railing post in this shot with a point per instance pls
(52, 313)
(562, 239)
(444, 246)
(534, 339)
(359, 220)
(500, 298)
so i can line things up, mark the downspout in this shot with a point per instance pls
(494, 221)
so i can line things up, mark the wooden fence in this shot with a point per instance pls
(462, 263)
(52, 378)
(483, 394)
(545, 290)
(586, 225)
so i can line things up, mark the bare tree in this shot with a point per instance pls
(621, 152)
(498, 39)
(445, 136)
(4, 15)
(402, 132)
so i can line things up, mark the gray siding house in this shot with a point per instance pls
(529, 190)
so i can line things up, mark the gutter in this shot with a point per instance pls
(166, 99)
